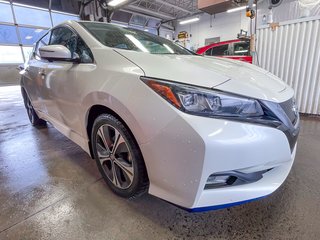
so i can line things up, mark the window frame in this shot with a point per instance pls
(74, 32)
(228, 49)
(36, 46)
(206, 53)
(232, 49)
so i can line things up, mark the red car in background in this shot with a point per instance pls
(233, 49)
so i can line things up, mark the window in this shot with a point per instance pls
(30, 35)
(220, 50)
(36, 3)
(131, 39)
(241, 49)
(10, 54)
(32, 16)
(65, 6)
(31, 22)
(208, 52)
(64, 36)
(44, 41)
(8, 35)
(59, 18)
(6, 13)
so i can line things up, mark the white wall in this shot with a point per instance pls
(288, 10)
(223, 25)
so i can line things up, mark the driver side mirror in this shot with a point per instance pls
(57, 53)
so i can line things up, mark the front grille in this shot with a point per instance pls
(289, 108)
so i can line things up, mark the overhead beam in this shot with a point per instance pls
(174, 6)
(149, 12)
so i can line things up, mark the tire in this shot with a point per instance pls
(118, 157)
(32, 115)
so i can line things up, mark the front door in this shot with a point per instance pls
(64, 91)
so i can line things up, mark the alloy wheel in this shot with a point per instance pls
(115, 156)
(30, 111)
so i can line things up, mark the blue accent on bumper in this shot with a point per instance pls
(216, 207)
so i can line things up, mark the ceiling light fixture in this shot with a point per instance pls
(238, 9)
(191, 20)
(114, 3)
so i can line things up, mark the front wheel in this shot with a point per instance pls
(118, 157)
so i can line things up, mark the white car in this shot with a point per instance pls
(201, 133)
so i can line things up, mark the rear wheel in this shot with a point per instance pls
(118, 157)
(33, 117)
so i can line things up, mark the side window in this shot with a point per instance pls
(44, 41)
(220, 50)
(64, 36)
(241, 49)
(208, 52)
(84, 52)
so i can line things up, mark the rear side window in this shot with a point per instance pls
(241, 49)
(220, 50)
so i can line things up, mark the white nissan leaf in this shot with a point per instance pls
(201, 133)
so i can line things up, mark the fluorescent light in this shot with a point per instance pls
(191, 20)
(238, 9)
(114, 3)
(28, 37)
(136, 42)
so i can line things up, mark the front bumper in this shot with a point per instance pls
(182, 156)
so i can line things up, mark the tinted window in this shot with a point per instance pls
(64, 36)
(132, 39)
(220, 50)
(208, 52)
(241, 49)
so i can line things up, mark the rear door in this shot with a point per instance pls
(241, 51)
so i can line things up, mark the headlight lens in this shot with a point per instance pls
(205, 102)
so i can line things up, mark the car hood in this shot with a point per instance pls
(210, 72)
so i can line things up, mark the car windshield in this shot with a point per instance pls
(132, 39)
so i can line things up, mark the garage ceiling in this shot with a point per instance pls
(164, 9)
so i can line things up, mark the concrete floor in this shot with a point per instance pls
(50, 189)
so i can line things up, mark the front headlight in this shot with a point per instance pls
(205, 102)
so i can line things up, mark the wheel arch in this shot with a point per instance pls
(97, 110)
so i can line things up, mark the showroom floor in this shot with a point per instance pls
(50, 189)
